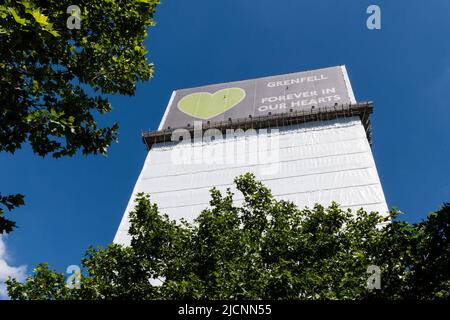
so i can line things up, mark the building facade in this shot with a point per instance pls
(302, 134)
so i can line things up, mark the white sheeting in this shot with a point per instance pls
(310, 163)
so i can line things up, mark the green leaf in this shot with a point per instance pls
(54, 32)
(40, 18)
(16, 17)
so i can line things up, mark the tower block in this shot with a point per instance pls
(303, 135)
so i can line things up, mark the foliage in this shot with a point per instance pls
(54, 80)
(263, 249)
(10, 202)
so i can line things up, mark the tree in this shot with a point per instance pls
(53, 79)
(10, 202)
(264, 249)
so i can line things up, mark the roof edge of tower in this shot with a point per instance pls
(361, 109)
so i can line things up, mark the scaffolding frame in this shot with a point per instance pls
(361, 109)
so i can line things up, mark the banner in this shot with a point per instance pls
(301, 91)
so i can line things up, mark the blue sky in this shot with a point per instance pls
(404, 68)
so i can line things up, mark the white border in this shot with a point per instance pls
(122, 231)
(172, 97)
(351, 95)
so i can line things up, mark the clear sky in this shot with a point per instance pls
(404, 68)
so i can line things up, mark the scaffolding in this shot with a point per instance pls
(362, 109)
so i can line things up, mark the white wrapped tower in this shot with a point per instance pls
(302, 134)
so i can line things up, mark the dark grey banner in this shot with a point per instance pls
(299, 91)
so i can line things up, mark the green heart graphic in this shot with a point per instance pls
(205, 105)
